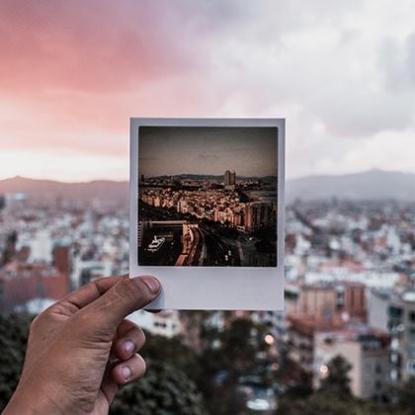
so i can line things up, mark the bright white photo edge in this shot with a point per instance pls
(212, 288)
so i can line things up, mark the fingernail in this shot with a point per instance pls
(128, 346)
(126, 372)
(152, 283)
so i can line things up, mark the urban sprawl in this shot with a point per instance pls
(349, 276)
(207, 221)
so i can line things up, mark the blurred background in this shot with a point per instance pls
(341, 73)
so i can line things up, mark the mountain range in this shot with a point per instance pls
(373, 184)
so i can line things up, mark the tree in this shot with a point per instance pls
(13, 339)
(337, 380)
(404, 394)
(329, 403)
(174, 352)
(165, 390)
(229, 354)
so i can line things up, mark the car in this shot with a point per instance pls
(259, 398)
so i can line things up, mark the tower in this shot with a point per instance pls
(227, 178)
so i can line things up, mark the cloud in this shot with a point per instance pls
(341, 72)
(97, 46)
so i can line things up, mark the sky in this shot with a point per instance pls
(73, 72)
(203, 150)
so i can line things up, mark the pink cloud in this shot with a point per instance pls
(72, 76)
(95, 46)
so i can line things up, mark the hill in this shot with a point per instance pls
(105, 190)
(373, 184)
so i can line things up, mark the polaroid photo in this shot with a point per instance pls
(207, 211)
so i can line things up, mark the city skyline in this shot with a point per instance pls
(171, 151)
(207, 175)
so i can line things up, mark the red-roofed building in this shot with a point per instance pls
(22, 282)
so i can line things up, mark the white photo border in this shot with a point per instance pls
(212, 288)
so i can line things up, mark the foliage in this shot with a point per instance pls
(337, 380)
(176, 374)
(405, 394)
(13, 339)
(227, 355)
(173, 352)
(302, 387)
(329, 403)
(165, 390)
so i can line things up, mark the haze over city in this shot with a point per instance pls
(341, 73)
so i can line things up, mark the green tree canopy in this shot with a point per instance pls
(165, 390)
(337, 380)
(13, 339)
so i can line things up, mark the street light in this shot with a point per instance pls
(324, 371)
(269, 339)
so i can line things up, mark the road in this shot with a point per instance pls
(212, 245)
(220, 251)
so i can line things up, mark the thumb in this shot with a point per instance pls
(125, 297)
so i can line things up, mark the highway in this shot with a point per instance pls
(218, 249)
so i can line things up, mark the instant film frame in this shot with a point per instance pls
(212, 287)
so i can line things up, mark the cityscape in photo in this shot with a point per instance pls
(207, 196)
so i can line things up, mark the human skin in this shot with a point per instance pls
(82, 349)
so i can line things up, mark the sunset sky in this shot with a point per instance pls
(73, 72)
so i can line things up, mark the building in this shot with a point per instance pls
(258, 215)
(313, 343)
(318, 301)
(395, 312)
(165, 323)
(22, 282)
(229, 180)
(300, 338)
(62, 259)
(233, 178)
(338, 300)
(367, 351)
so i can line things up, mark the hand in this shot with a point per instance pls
(81, 349)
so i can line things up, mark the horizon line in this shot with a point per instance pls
(126, 180)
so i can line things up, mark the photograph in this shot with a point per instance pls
(207, 196)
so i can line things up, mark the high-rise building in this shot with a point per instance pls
(258, 214)
(229, 179)
(232, 178)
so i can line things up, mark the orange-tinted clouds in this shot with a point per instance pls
(92, 46)
(73, 72)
